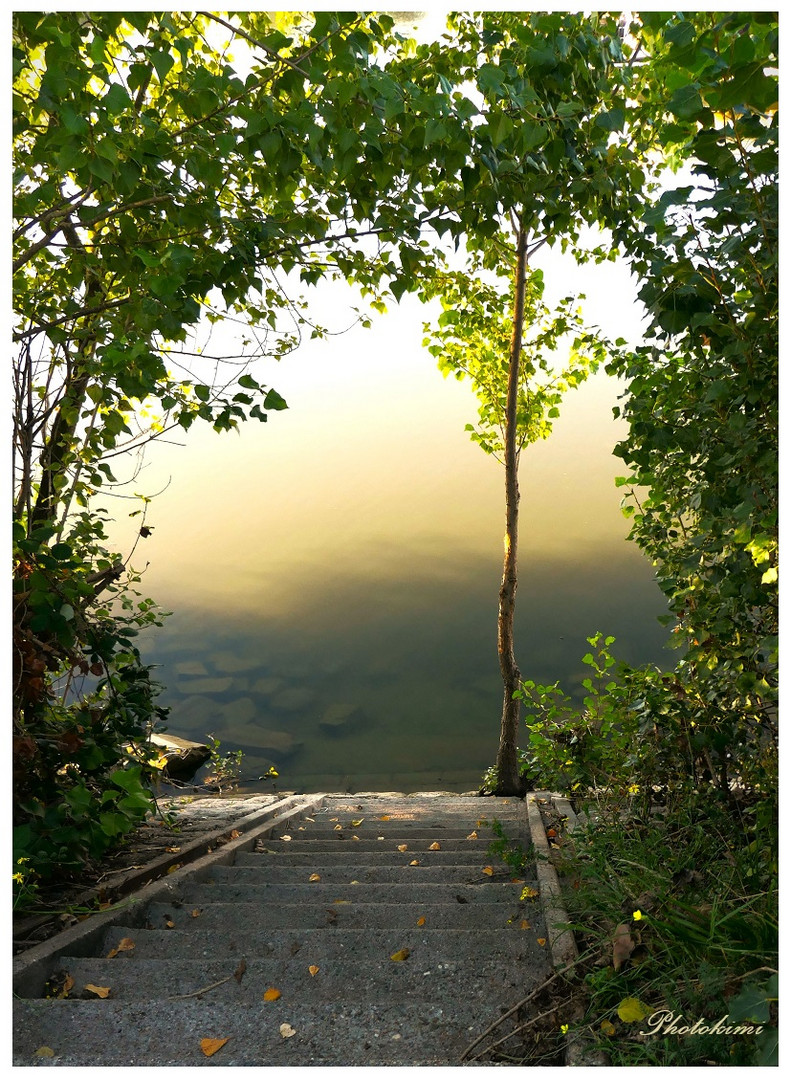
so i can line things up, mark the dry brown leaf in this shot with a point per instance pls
(313, 969)
(99, 991)
(541, 941)
(422, 920)
(68, 985)
(169, 924)
(384, 817)
(524, 925)
(402, 847)
(402, 954)
(195, 913)
(473, 835)
(434, 847)
(211, 1046)
(272, 994)
(488, 871)
(124, 945)
(286, 1030)
(239, 973)
(315, 877)
(173, 850)
(414, 863)
(622, 945)
(235, 834)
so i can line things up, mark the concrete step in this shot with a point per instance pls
(331, 943)
(274, 872)
(293, 855)
(345, 913)
(147, 979)
(321, 892)
(346, 1033)
(355, 844)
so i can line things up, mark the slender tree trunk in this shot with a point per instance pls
(509, 781)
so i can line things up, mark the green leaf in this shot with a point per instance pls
(631, 1010)
(274, 401)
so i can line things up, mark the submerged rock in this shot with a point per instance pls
(278, 745)
(341, 720)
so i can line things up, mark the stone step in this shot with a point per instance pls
(321, 892)
(390, 830)
(348, 1033)
(352, 854)
(353, 845)
(342, 912)
(148, 979)
(274, 872)
(331, 943)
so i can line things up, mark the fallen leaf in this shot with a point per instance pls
(172, 869)
(524, 925)
(211, 1046)
(631, 1010)
(488, 871)
(173, 850)
(286, 1030)
(480, 822)
(313, 969)
(380, 838)
(607, 1027)
(355, 838)
(334, 819)
(402, 954)
(473, 835)
(195, 913)
(357, 821)
(435, 846)
(235, 834)
(340, 901)
(528, 893)
(315, 877)
(422, 920)
(124, 945)
(462, 899)
(622, 946)
(239, 973)
(355, 882)
(552, 832)
(286, 837)
(385, 817)
(414, 863)
(301, 828)
(541, 941)
(272, 994)
(338, 828)
(68, 985)
(99, 991)
(402, 847)
(44, 1051)
(169, 924)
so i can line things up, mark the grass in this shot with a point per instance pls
(679, 911)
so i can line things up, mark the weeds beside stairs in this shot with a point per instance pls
(342, 930)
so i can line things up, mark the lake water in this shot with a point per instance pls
(334, 573)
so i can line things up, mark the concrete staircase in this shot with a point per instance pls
(391, 933)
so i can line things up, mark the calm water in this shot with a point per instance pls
(339, 566)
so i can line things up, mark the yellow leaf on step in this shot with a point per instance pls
(272, 994)
(99, 991)
(315, 877)
(172, 869)
(402, 847)
(414, 863)
(357, 821)
(541, 941)
(211, 1046)
(338, 828)
(524, 925)
(313, 969)
(384, 817)
(488, 871)
(44, 1051)
(286, 1030)
(402, 954)
(473, 835)
(422, 920)
(195, 913)
(434, 847)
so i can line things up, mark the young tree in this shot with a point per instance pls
(545, 158)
